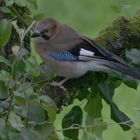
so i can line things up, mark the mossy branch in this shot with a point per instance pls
(122, 35)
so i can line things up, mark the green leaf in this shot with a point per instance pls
(3, 90)
(4, 104)
(5, 76)
(5, 31)
(20, 3)
(106, 89)
(2, 126)
(39, 16)
(94, 106)
(85, 136)
(49, 105)
(4, 61)
(53, 136)
(15, 50)
(30, 134)
(32, 68)
(48, 100)
(5, 10)
(9, 2)
(88, 136)
(15, 121)
(72, 119)
(98, 127)
(134, 56)
(93, 109)
(29, 108)
(18, 30)
(45, 130)
(19, 51)
(12, 135)
(119, 117)
(19, 69)
(33, 3)
(3, 129)
(19, 98)
(130, 82)
(36, 112)
(27, 88)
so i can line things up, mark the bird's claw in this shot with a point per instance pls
(58, 84)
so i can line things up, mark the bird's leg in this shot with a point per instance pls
(59, 84)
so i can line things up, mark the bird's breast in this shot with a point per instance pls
(68, 69)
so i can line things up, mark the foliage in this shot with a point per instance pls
(25, 111)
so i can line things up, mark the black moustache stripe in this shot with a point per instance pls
(46, 37)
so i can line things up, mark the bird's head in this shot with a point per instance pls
(45, 30)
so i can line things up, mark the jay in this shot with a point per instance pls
(71, 55)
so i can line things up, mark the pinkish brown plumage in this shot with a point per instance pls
(71, 55)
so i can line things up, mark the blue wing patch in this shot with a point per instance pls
(63, 55)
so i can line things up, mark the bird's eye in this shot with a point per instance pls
(46, 30)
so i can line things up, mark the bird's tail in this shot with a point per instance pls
(125, 69)
(118, 64)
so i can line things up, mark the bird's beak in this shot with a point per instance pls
(35, 34)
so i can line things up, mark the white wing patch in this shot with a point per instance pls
(86, 52)
(87, 58)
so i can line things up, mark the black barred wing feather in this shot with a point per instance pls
(102, 51)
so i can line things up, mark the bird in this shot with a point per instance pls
(71, 55)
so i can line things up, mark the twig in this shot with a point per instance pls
(24, 33)
(27, 106)
(77, 126)
(9, 107)
(13, 9)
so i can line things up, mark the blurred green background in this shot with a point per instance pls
(89, 17)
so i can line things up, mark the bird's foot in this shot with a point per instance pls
(59, 84)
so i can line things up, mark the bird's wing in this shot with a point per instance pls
(80, 46)
(63, 55)
(85, 50)
(102, 51)
(80, 52)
